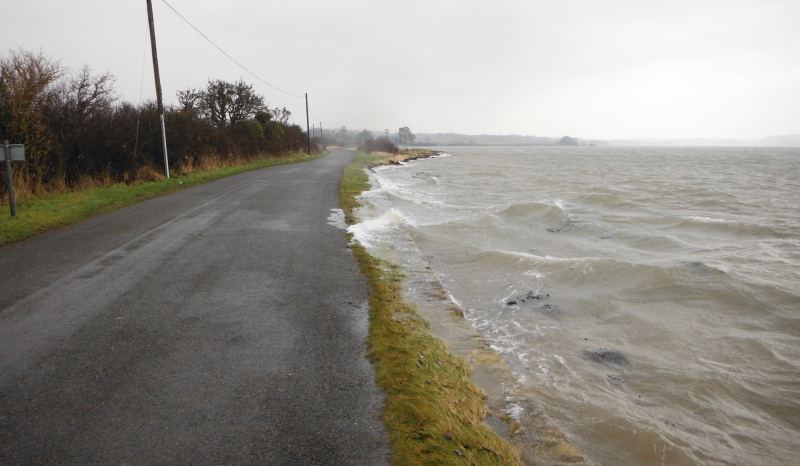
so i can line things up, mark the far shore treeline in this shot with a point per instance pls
(77, 133)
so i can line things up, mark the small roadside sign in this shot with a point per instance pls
(13, 153)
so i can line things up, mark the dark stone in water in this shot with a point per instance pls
(528, 296)
(532, 295)
(668, 422)
(606, 356)
(615, 379)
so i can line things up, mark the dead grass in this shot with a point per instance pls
(28, 187)
(44, 208)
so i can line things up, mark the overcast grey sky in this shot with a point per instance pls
(585, 68)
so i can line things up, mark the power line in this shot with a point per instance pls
(224, 53)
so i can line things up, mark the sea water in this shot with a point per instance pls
(649, 298)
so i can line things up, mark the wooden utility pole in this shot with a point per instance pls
(158, 84)
(321, 136)
(308, 134)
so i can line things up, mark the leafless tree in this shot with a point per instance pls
(281, 115)
(84, 96)
(363, 136)
(188, 100)
(225, 103)
(25, 81)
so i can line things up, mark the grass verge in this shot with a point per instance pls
(433, 413)
(56, 210)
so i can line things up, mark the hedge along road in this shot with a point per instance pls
(221, 324)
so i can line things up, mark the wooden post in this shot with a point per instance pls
(158, 84)
(10, 179)
(308, 133)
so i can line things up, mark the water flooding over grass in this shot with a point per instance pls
(647, 296)
(433, 411)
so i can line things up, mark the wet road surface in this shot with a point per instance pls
(221, 324)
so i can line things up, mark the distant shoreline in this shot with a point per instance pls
(425, 140)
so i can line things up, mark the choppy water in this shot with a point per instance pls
(649, 297)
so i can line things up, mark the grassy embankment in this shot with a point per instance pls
(52, 211)
(433, 412)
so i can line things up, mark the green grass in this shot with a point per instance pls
(433, 413)
(56, 210)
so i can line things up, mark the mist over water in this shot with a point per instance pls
(649, 297)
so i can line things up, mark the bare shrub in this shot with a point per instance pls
(77, 134)
(25, 84)
(381, 144)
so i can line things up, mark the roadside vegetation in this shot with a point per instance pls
(54, 210)
(379, 144)
(433, 412)
(87, 153)
(78, 134)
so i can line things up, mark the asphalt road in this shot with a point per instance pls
(222, 324)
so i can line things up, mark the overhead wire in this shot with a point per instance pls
(225, 53)
(313, 117)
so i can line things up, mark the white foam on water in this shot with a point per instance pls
(370, 231)
(505, 299)
(543, 367)
(336, 219)
(548, 259)
(706, 219)
(454, 300)
(514, 411)
(535, 274)
(561, 360)
(383, 184)
(381, 168)
(405, 190)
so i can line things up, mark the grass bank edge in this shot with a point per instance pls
(433, 412)
(54, 211)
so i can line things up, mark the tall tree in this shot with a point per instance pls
(363, 136)
(405, 136)
(223, 103)
(341, 134)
